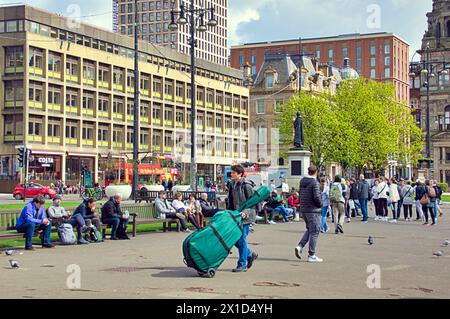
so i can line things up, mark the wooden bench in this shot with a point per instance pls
(150, 196)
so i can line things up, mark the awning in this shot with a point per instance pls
(33, 151)
(81, 154)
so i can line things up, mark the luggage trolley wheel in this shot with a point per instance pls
(211, 273)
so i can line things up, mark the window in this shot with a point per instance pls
(241, 59)
(54, 128)
(262, 134)
(253, 59)
(372, 62)
(89, 70)
(35, 126)
(260, 107)
(13, 91)
(118, 106)
(54, 62)
(372, 50)
(387, 49)
(36, 58)
(372, 74)
(447, 118)
(269, 81)
(279, 106)
(344, 52)
(13, 125)
(54, 94)
(387, 61)
(331, 55)
(11, 26)
(103, 103)
(103, 135)
(318, 54)
(35, 92)
(103, 73)
(14, 57)
(71, 67)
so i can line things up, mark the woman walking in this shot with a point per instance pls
(382, 190)
(394, 197)
(337, 200)
(407, 194)
(324, 189)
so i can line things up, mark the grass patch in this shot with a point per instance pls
(47, 204)
(446, 198)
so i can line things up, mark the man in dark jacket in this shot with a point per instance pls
(240, 191)
(113, 216)
(310, 208)
(207, 209)
(87, 211)
(272, 203)
(363, 195)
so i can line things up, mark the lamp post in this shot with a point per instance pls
(136, 109)
(428, 69)
(195, 17)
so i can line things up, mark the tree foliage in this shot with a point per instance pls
(361, 126)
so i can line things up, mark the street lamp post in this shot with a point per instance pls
(136, 109)
(196, 19)
(428, 68)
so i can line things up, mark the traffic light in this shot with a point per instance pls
(22, 156)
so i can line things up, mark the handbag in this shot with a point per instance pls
(425, 200)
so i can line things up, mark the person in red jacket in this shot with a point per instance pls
(294, 202)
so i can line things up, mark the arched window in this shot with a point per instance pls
(438, 30)
(281, 161)
(447, 118)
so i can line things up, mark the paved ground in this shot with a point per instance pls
(150, 266)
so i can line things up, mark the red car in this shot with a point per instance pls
(33, 189)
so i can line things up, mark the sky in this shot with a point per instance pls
(271, 20)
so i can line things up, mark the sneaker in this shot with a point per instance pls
(187, 230)
(393, 221)
(180, 216)
(114, 238)
(426, 224)
(251, 259)
(314, 259)
(272, 222)
(48, 246)
(29, 248)
(298, 252)
(83, 241)
(239, 269)
(259, 218)
(348, 219)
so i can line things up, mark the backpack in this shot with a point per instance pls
(66, 234)
(439, 189)
(94, 235)
(335, 193)
(431, 192)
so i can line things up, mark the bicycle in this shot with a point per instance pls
(95, 193)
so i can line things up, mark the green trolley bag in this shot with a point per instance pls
(206, 249)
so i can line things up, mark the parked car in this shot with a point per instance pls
(33, 189)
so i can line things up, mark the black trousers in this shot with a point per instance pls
(383, 207)
(407, 211)
(376, 203)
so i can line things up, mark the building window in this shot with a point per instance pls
(262, 135)
(13, 91)
(279, 106)
(372, 62)
(253, 59)
(260, 107)
(269, 81)
(447, 118)
(344, 53)
(318, 54)
(387, 72)
(387, 61)
(14, 57)
(330, 55)
(36, 58)
(387, 49)
(372, 50)
(241, 59)
(372, 74)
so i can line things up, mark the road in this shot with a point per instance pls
(151, 266)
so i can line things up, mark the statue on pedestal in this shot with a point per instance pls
(298, 127)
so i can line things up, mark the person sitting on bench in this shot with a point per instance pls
(165, 210)
(113, 216)
(207, 209)
(183, 208)
(32, 217)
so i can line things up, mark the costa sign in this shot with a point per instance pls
(45, 160)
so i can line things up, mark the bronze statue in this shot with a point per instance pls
(298, 127)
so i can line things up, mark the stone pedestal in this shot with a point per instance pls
(299, 161)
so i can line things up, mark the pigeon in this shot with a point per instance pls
(437, 253)
(445, 243)
(370, 240)
(14, 263)
(9, 252)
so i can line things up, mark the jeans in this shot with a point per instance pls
(182, 221)
(285, 212)
(244, 251)
(430, 207)
(312, 221)
(419, 211)
(394, 210)
(118, 225)
(407, 210)
(365, 213)
(28, 230)
(78, 222)
(323, 224)
(338, 211)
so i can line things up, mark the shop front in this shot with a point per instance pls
(75, 163)
(45, 167)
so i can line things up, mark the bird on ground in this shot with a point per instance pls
(437, 253)
(14, 263)
(370, 240)
(9, 252)
(445, 243)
